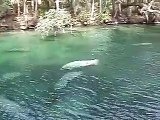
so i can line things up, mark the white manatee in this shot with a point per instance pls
(83, 63)
(139, 44)
(66, 78)
(18, 50)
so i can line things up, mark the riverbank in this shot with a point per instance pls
(12, 22)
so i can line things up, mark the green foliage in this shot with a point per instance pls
(4, 5)
(104, 17)
(108, 5)
(41, 11)
(84, 16)
(53, 21)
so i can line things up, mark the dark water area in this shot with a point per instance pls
(124, 85)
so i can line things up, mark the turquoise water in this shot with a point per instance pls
(124, 85)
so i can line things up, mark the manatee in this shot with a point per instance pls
(78, 64)
(66, 78)
(139, 44)
(18, 50)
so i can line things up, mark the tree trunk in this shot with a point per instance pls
(24, 7)
(36, 8)
(18, 4)
(74, 6)
(113, 7)
(100, 6)
(32, 4)
(89, 6)
(117, 8)
(57, 5)
(92, 10)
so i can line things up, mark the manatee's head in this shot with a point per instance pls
(92, 62)
(67, 67)
(96, 61)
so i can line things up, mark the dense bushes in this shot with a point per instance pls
(4, 5)
(53, 21)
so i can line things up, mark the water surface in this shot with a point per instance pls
(124, 85)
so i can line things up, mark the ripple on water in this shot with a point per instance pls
(80, 99)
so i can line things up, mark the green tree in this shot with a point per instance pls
(4, 5)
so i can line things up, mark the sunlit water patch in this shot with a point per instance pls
(123, 85)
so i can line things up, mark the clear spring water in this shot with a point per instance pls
(124, 85)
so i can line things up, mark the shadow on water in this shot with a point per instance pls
(124, 85)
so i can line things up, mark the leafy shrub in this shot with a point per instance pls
(4, 6)
(103, 17)
(84, 16)
(53, 21)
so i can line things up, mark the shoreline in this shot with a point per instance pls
(76, 28)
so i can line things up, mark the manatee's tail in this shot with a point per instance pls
(61, 68)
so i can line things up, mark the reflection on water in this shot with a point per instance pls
(124, 85)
